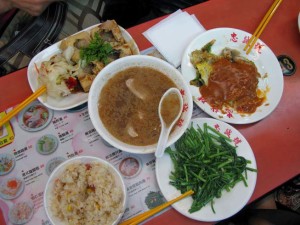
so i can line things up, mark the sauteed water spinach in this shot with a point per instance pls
(206, 162)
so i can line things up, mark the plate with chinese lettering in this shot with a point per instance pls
(228, 84)
(212, 163)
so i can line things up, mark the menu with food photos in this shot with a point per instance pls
(36, 141)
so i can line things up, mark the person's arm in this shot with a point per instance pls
(5, 6)
(33, 7)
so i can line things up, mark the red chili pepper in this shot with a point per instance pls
(71, 83)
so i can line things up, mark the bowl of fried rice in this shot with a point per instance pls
(85, 190)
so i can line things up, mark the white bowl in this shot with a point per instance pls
(61, 169)
(139, 61)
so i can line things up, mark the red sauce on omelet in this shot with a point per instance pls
(233, 84)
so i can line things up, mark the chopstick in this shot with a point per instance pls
(143, 216)
(262, 26)
(22, 105)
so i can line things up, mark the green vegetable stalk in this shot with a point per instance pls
(206, 162)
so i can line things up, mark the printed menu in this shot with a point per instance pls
(36, 141)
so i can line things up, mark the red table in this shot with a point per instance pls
(276, 139)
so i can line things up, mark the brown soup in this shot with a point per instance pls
(128, 104)
(170, 108)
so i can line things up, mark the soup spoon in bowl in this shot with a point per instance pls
(169, 111)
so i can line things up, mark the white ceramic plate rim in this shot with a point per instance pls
(230, 202)
(72, 100)
(131, 61)
(58, 170)
(265, 61)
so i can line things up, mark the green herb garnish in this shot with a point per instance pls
(207, 47)
(97, 50)
(206, 162)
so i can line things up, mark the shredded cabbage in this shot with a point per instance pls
(54, 72)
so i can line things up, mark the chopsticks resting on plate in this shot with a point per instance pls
(22, 105)
(143, 216)
(262, 26)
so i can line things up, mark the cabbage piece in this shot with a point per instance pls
(53, 73)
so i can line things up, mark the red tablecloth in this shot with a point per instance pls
(276, 139)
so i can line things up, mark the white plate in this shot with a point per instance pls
(230, 202)
(299, 21)
(264, 59)
(72, 100)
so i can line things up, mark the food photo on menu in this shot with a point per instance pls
(118, 135)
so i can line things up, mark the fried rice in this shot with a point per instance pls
(87, 193)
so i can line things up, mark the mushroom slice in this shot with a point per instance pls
(138, 90)
(131, 131)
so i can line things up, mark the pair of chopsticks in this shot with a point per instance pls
(143, 216)
(262, 26)
(22, 105)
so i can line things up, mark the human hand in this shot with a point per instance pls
(33, 7)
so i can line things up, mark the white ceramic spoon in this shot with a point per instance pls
(166, 126)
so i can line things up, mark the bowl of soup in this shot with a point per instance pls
(124, 98)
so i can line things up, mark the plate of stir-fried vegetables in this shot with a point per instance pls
(215, 161)
(68, 67)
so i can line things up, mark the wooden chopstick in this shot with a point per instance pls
(143, 216)
(262, 26)
(22, 105)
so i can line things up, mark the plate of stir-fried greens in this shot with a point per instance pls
(214, 160)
